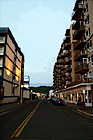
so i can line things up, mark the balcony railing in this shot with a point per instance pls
(79, 55)
(78, 33)
(62, 55)
(79, 81)
(79, 45)
(68, 78)
(67, 53)
(78, 11)
(69, 68)
(66, 39)
(81, 68)
(67, 46)
(76, 24)
(62, 61)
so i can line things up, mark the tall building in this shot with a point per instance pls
(73, 71)
(11, 67)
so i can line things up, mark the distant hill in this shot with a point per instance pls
(41, 89)
(40, 84)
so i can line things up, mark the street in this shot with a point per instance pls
(42, 120)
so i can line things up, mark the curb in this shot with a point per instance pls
(78, 110)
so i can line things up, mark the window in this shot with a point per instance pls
(88, 21)
(89, 32)
(2, 39)
(91, 58)
(1, 51)
(1, 62)
(90, 74)
(91, 47)
(86, 7)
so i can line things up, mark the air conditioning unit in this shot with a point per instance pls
(91, 64)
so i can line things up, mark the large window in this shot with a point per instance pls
(9, 53)
(9, 66)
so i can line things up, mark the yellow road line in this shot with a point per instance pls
(85, 113)
(18, 131)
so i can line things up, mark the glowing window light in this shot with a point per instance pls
(17, 78)
(18, 72)
(8, 72)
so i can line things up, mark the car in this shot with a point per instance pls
(53, 100)
(48, 99)
(58, 102)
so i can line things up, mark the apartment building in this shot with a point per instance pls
(11, 67)
(74, 66)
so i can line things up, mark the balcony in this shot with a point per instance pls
(63, 74)
(79, 81)
(77, 24)
(78, 33)
(79, 45)
(79, 56)
(62, 68)
(77, 11)
(66, 39)
(68, 61)
(69, 68)
(67, 53)
(69, 78)
(80, 69)
(62, 61)
(67, 32)
(67, 46)
(62, 55)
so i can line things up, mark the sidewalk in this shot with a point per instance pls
(85, 110)
(6, 107)
(10, 106)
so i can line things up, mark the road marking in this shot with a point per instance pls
(85, 113)
(18, 131)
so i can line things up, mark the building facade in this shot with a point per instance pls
(73, 71)
(11, 67)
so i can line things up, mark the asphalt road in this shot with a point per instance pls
(41, 120)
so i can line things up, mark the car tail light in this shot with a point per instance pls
(61, 101)
(57, 101)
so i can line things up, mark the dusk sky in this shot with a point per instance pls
(39, 29)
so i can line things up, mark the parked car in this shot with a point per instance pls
(48, 99)
(53, 100)
(58, 102)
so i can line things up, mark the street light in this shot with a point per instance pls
(65, 91)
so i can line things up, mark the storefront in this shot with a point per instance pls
(81, 92)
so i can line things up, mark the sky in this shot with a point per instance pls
(38, 27)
